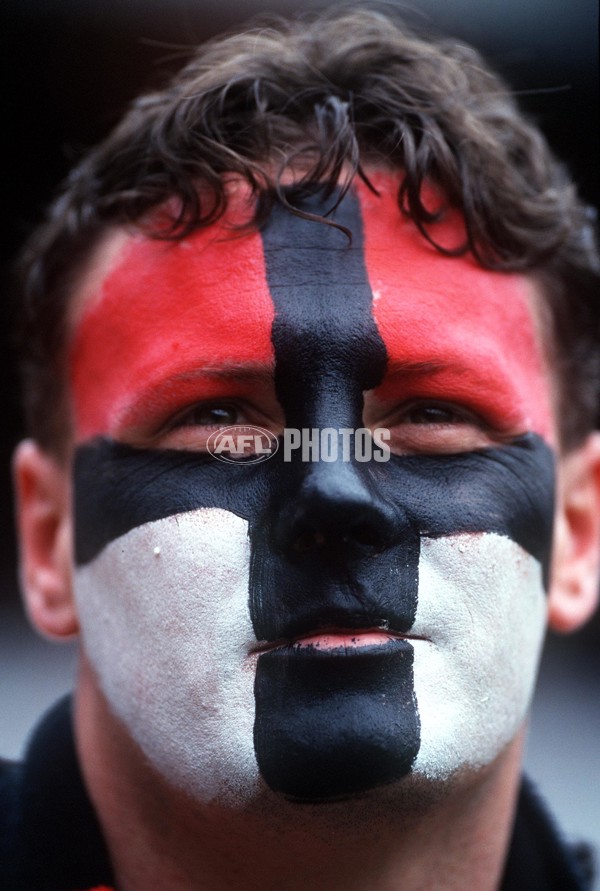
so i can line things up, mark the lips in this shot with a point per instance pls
(327, 639)
(332, 639)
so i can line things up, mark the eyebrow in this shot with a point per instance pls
(160, 388)
(259, 373)
(403, 367)
(235, 370)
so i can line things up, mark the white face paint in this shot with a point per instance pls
(165, 621)
(482, 608)
(165, 624)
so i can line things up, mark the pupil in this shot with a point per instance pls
(221, 415)
(208, 416)
(430, 415)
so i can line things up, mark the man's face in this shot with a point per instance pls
(324, 627)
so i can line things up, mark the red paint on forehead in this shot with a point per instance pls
(168, 315)
(166, 312)
(475, 324)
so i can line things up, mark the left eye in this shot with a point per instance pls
(433, 414)
(423, 427)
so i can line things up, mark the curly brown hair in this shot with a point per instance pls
(328, 97)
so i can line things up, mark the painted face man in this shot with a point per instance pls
(276, 650)
(333, 625)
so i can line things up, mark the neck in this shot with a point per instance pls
(451, 838)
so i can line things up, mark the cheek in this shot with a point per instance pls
(482, 607)
(165, 623)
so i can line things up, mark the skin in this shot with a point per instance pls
(431, 400)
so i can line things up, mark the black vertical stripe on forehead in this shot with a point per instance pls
(328, 349)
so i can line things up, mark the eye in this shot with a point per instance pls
(192, 427)
(216, 415)
(433, 414)
(426, 427)
(185, 411)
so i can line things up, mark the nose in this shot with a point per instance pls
(338, 510)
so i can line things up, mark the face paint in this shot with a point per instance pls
(459, 332)
(164, 612)
(148, 346)
(236, 590)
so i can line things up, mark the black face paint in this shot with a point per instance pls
(507, 490)
(307, 751)
(333, 545)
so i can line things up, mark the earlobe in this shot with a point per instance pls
(44, 524)
(576, 565)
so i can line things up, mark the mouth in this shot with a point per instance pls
(325, 639)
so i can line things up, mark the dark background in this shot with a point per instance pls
(70, 67)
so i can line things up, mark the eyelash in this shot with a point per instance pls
(453, 415)
(185, 419)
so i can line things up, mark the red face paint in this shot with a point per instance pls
(178, 323)
(471, 329)
(169, 320)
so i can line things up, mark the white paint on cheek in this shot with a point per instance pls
(166, 626)
(483, 609)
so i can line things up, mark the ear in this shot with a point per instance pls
(44, 526)
(576, 565)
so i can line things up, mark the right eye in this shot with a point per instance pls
(192, 427)
(211, 415)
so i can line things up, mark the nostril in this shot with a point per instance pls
(309, 540)
(362, 536)
(336, 511)
(365, 535)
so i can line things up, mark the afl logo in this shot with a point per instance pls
(242, 443)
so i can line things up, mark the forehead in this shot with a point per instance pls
(151, 311)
